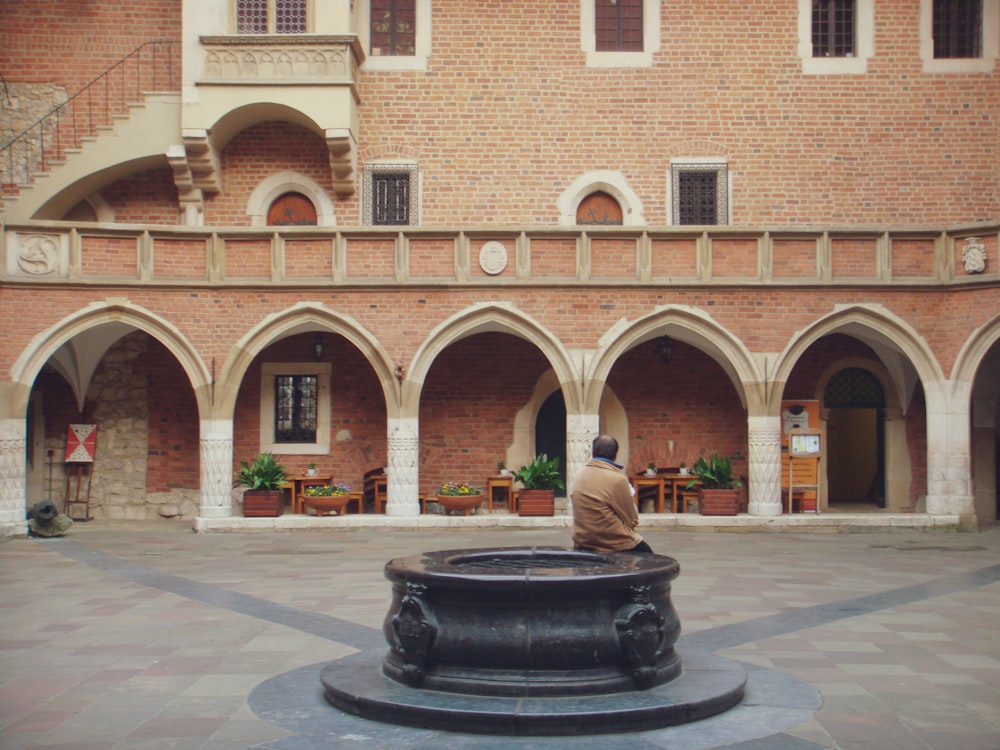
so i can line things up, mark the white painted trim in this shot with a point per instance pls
(422, 42)
(864, 40)
(990, 42)
(650, 39)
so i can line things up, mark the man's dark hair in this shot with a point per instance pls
(605, 446)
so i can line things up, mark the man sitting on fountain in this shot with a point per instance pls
(604, 513)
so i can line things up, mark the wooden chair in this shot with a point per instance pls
(376, 488)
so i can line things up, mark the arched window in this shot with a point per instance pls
(854, 387)
(599, 208)
(291, 209)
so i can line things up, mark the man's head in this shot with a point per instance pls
(605, 446)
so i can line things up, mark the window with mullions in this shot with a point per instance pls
(700, 194)
(958, 28)
(618, 25)
(394, 27)
(833, 28)
(296, 406)
(271, 17)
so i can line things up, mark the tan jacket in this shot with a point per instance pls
(604, 512)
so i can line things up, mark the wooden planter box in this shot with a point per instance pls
(718, 502)
(536, 503)
(260, 503)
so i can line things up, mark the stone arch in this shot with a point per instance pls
(300, 318)
(903, 352)
(691, 326)
(273, 187)
(125, 316)
(495, 318)
(608, 181)
(972, 354)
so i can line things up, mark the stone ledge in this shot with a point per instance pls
(798, 523)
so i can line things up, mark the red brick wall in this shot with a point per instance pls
(174, 455)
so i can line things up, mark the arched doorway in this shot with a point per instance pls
(855, 404)
(550, 432)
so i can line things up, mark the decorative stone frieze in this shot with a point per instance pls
(267, 59)
(39, 255)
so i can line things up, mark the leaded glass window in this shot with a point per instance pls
(271, 17)
(296, 399)
(390, 194)
(618, 25)
(958, 28)
(833, 28)
(393, 27)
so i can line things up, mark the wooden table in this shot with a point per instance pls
(299, 484)
(660, 482)
(501, 482)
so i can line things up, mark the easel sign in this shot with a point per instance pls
(81, 448)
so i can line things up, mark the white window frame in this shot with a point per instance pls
(990, 42)
(390, 165)
(864, 42)
(268, 371)
(650, 38)
(422, 41)
(700, 162)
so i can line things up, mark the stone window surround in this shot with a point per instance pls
(310, 15)
(268, 371)
(611, 182)
(273, 187)
(864, 38)
(725, 217)
(416, 61)
(990, 42)
(650, 38)
(395, 165)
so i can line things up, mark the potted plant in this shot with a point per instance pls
(502, 469)
(327, 498)
(718, 492)
(311, 470)
(455, 496)
(263, 480)
(684, 469)
(651, 469)
(539, 479)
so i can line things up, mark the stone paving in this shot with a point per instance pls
(146, 635)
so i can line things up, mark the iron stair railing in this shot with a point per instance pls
(151, 67)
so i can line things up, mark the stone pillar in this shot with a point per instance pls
(402, 474)
(764, 465)
(949, 486)
(581, 429)
(216, 468)
(13, 513)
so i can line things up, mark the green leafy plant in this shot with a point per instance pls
(265, 473)
(714, 473)
(328, 490)
(459, 488)
(541, 474)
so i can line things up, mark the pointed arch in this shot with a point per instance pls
(690, 326)
(904, 353)
(494, 317)
(123, 315)
(300, 318)
(974, 350)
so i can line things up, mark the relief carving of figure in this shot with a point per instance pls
(974, 255)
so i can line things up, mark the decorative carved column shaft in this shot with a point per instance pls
(12, 482)
(581, 429)
(402, 475)
(216, 470)
(764, 466)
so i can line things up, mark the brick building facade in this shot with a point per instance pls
(510, 222)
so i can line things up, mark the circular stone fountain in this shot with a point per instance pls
(533, 641)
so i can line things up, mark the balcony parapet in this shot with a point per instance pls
(279, 59)
(61, 253)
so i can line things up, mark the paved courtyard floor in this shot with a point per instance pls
(147, 635)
